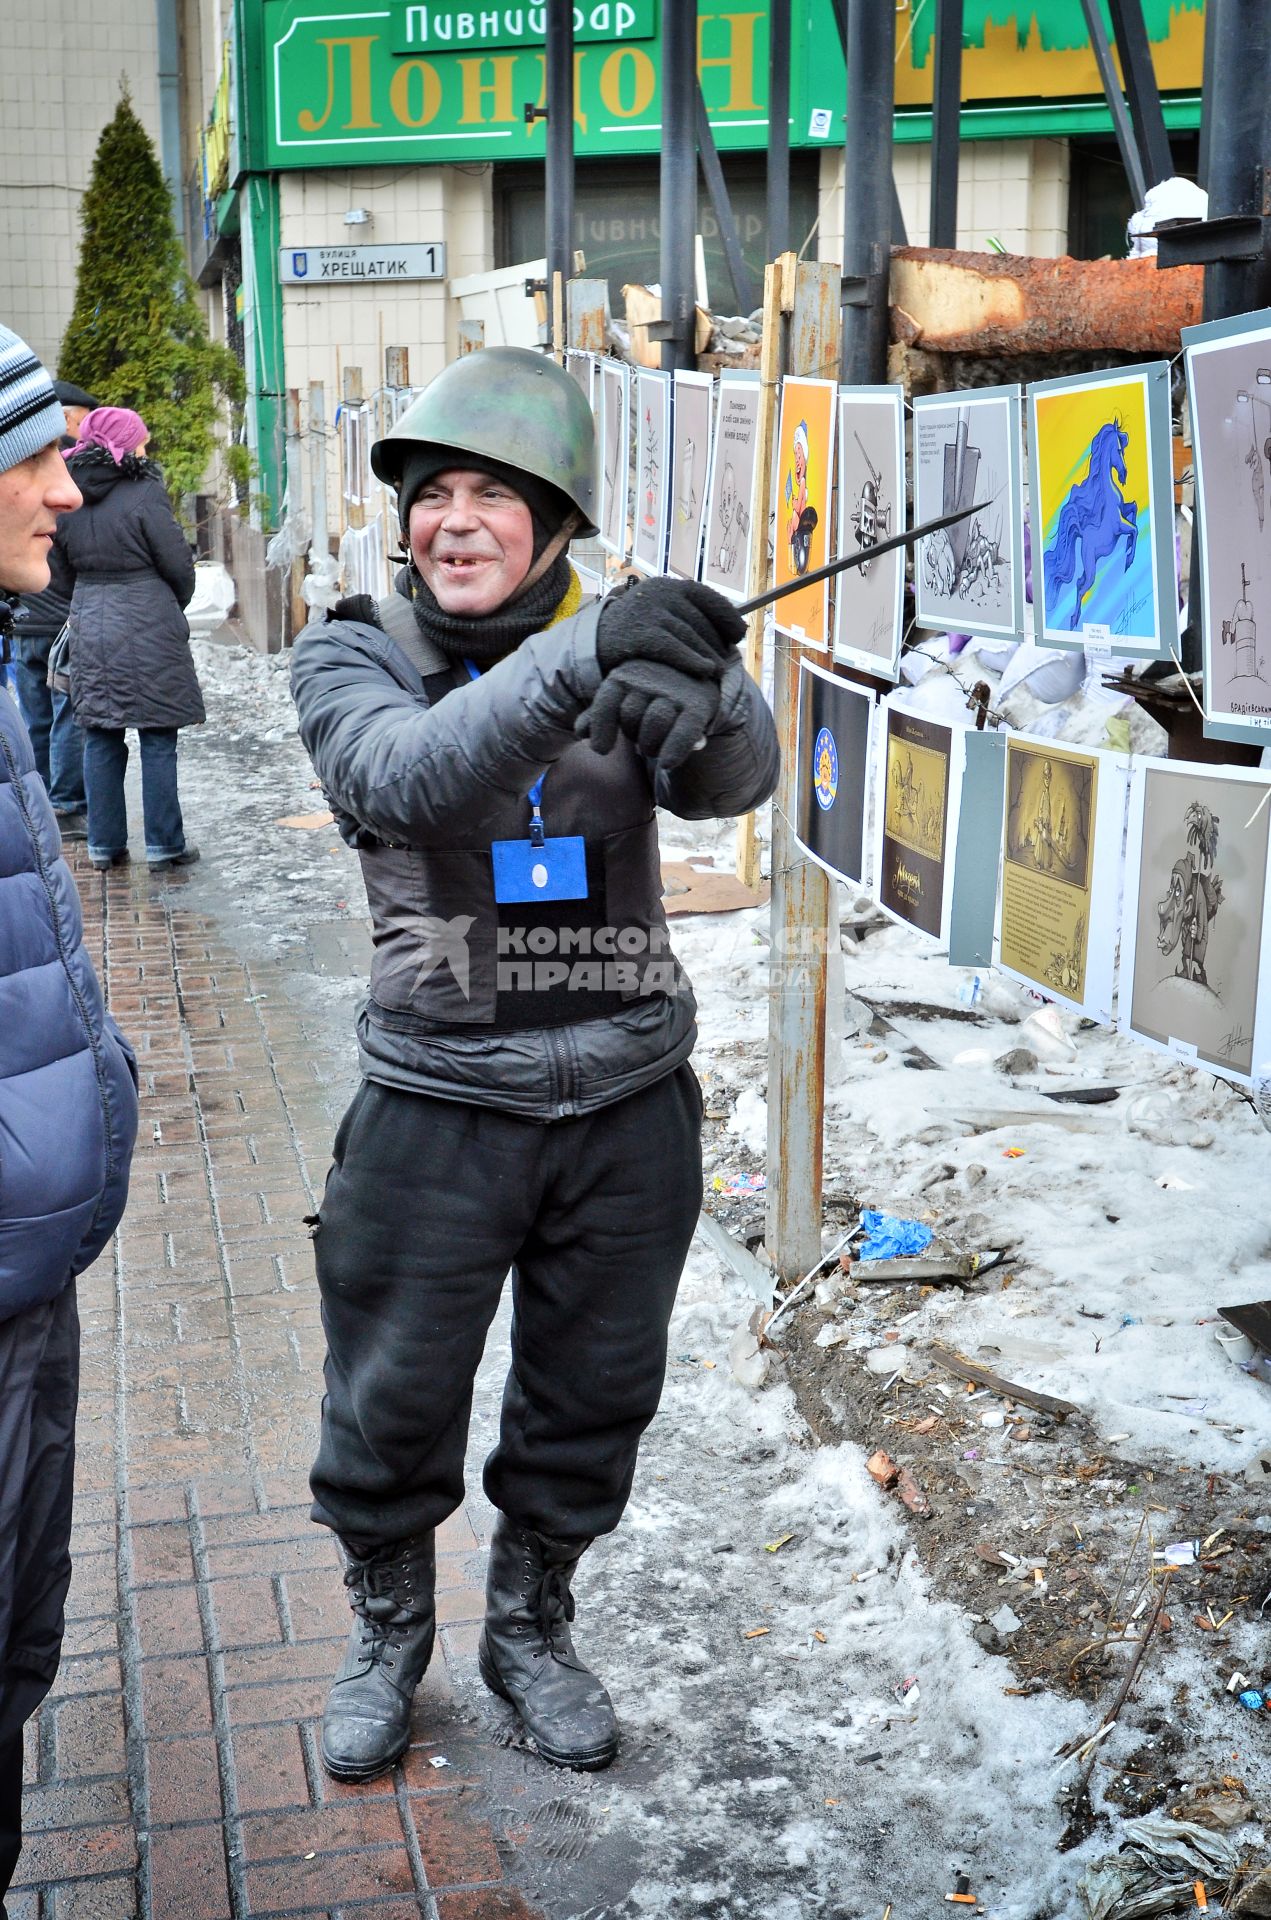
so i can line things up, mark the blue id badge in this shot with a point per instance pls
(551, 870)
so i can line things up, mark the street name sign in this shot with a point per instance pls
(347, 266)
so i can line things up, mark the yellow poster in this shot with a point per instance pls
(1051, 799)
(805, 475)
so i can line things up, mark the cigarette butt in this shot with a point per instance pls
(962, 1899)
(775, 1546)
(756, 1633)
(818, 1635)
(831, 1803)
(1201, 1900)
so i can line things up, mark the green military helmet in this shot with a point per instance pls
(505, 404)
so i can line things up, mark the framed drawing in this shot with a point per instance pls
(832, 781)
(653, 434)
(869, 601)
(805, 479)
(615, 437)
(1229, 383)
(1101, 494)
(690, 469)
(581, 367)
(969, 578)
(730, 508)
(1061, 850)
(1194, 938)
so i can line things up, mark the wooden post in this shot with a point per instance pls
(558, 316)
(297, 611)
(801, 891)
(352, 400)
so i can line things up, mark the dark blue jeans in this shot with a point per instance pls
(51, 723)
(105, 764)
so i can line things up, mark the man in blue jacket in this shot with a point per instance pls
(68, 1120)
(496, 752)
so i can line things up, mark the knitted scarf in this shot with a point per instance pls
(488, 637)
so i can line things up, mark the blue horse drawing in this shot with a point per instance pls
(1095, 516)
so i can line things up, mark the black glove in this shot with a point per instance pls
(666, 713)
(678, 623)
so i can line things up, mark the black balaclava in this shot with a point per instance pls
(487, 637)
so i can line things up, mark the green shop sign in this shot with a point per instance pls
(444, 29)
(357, 84)
(382, 82)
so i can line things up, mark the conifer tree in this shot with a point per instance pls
(137, 337)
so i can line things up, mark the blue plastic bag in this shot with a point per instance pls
(887, 1238)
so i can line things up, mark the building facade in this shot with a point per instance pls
(347, 144)
(60, 77)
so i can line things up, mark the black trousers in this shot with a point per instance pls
(39, 1388)
(427, 1207)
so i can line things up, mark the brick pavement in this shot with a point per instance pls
(173, 1772)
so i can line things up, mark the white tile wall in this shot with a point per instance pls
(326, 330)
(1014, 190)
(60, 68)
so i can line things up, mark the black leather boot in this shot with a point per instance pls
(366, 1726)
(527, 1656)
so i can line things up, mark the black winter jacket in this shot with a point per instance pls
(423, 786)
(126, 564)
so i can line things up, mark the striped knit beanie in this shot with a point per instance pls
(31, 416)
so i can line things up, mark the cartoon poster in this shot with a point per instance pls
(1196, 916)
(690, 468)
(652, 467)
(731, 510)
(1229, 383)
(805, 477)
(1101, 493)
(615, 431)
(869, 599)
(835, 719)
(914, 830)
(969, 578)
(1061, 845)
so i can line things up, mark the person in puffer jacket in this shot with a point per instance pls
(68, 1121)
(496, 754)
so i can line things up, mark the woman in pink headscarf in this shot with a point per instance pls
(129, 566)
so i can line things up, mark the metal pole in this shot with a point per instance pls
(1126, 142)
(778, 128)
(1206, 93)
(867, 190)
(946, 112)
(1236, 112)
(743, 285)
(678, 197)
(560, 141)
(899, 237)
(1142, 92)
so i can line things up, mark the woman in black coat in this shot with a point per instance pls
(129, 566)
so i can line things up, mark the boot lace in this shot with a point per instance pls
(550, 1605)
(384, 1611)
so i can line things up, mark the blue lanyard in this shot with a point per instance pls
(534, 796)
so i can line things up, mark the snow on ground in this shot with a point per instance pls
(746, 1786)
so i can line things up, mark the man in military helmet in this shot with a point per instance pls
(496, 753)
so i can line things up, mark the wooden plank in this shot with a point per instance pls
(982, 1377)
(802, 893)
